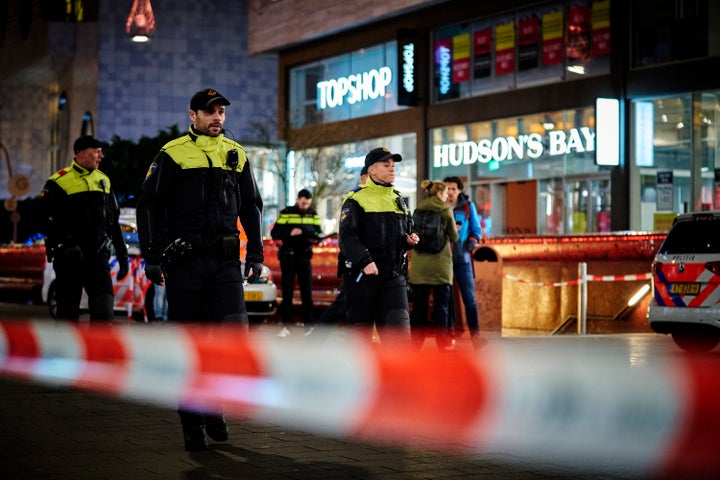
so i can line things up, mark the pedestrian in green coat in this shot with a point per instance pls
(433, 273)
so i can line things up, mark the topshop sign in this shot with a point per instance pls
(532, 146)
(352, 89)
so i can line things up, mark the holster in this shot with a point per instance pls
(228, 247)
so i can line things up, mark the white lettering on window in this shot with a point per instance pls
(509, 148)
(353, 88)
(408, 67)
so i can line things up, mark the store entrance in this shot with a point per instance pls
(574, 205)
(554, 206)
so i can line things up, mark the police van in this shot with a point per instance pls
(686, 282)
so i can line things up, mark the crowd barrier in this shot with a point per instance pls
(583, 408)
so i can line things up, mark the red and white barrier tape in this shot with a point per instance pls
(589, 278)
(583, 409)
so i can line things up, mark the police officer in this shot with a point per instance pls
(195, 190)
(298, 228)
(78, 213)
(375, 233)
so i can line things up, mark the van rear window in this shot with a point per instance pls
(693, 237)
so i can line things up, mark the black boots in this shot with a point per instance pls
(194, 438)
(216, 428)
(196, 425)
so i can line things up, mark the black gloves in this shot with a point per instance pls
(124, 267)
(255, 268)
(154, 273)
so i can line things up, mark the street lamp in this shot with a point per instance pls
(141, 21)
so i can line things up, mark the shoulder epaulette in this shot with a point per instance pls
(62, 172)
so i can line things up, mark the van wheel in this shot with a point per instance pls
(52, 301)
(696, 341)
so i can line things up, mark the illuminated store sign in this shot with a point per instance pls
(443, 64)
(532, 146)
(407, 46)
(352, 89)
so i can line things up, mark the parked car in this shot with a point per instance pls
(134, 294)
(686, 282)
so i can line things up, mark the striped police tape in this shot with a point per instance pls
(590, 278)
(583, 408)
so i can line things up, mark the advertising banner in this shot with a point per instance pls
(482, 48)
(406, 65)
(601, 28)
(461, 58)
(552, 38)
(444, 85)
(504, 48)
(664, 199)
(528, 43)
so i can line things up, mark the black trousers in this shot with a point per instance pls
(292, 266)
(207, 290)
(91, 272)
(381, 301)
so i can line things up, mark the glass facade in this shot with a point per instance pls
(353, 85)
(532, 175)
(674, 151)
(563, 41)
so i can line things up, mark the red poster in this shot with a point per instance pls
(482, 45)
(528, 43)
(601, 42)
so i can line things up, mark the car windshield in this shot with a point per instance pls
(693, 237)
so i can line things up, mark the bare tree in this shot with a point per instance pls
(322, 168)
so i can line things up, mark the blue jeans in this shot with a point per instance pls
(466, 282)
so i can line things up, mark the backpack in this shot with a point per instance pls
(429, 227)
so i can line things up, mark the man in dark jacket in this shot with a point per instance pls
(298, 228)
(197, 187)
(78, 213)
(375, 233)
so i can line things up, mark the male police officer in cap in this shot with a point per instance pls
(197, 187)
(78, 213)
(375, 233)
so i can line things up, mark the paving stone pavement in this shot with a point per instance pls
(55, 434)
(59, 433)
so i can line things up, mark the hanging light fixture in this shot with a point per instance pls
(141, 22)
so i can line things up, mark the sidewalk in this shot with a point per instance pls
(55, 434)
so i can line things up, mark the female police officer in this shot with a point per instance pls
(375, 233)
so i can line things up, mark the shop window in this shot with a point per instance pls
(354, 85)
(330, 172)
(675, 151)
(540, 46)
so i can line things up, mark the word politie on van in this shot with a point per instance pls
(353, 88)
(534, 145)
